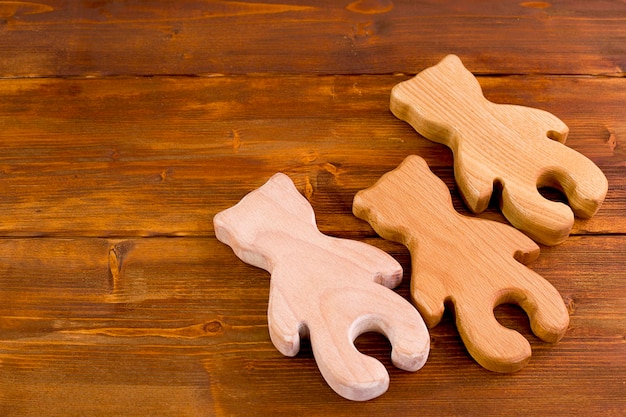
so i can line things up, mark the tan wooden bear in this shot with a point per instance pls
(471, 262)
(519, 147)
(329, 289)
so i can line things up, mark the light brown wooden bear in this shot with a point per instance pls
(521, 148)
(472, 263)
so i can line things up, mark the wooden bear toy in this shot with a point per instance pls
(471, 262)
(329, 289)
(519, 147)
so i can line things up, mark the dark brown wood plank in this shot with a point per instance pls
(177, 326)
(93, 38)
(160, 156)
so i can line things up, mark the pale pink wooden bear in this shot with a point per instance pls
(472, 263)
(519, 147)
(329, 289)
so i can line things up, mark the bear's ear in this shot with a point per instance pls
(276, 193)
(278, 183)
(281, 190)
(417, 170)
(451, 61)
(455, 74)
(451, 65)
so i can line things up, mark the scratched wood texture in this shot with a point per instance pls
(125, 126)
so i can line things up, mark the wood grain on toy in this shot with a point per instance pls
(329, 289)
(520, 148)
(473, 263)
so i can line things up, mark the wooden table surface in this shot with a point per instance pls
(126, 126)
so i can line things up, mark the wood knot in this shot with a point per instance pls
(236, 140)
(612, 140)
(117, 253)
(213, 326)
(570, 305)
